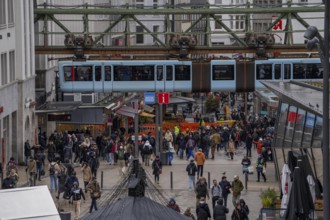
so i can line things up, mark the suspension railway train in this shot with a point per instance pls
(183, 76)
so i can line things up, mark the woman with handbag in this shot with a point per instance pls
(157, 168)
(94, 188)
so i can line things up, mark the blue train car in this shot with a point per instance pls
(288, 69)
(223, 75)
(125, 76)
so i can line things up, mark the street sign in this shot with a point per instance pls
(163, 98)
(149, 98)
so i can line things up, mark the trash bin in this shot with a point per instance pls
(65, 215)
(163, 159)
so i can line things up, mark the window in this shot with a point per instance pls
(11, 66)
(139, 37)
(107, 73)
(217, 24)
(155, 29)
(218, 2)
(11, 12)
(159, 73)
(169, 73)
(223, 72)
(3, 13)
(182, 72)
(4, 69)
(136, 73)
(83, 73)
(155, 4)
(139, 4)
(98, 73)
(264, 71)
(287, 71)
(277, 70)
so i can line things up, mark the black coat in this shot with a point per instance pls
(203, 211)
(219, 212)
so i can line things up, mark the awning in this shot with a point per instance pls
(127, 111)
(180, 100)
(53, 107)
(146, 114)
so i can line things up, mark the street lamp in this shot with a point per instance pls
(315, 40)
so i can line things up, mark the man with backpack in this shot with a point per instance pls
(215, 192)
(76, 194)
(147, 151)
(192, 170)
(52, 167)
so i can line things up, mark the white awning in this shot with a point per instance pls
(127, 111)
(28, 203)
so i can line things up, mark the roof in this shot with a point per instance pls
(299, 94)
(180, 100)
(135, 208)
(28, 203)
(50, 107)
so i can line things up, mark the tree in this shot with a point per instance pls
(211, 104)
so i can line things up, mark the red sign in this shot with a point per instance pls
(163, 98)
(1, 109)
(278, 25)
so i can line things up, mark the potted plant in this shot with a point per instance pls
(268, 199)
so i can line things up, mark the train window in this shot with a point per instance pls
(277, 70)
(299, 71)
(107, 73)
(169, 73)
(159, 73)
(223, 72)
(136, 73)
(68, 73)
(287, 71)
(314, 71)
(83, 73)
(182, 72)
(98, 73)
(264, 71)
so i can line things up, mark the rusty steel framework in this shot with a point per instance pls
(58, 23)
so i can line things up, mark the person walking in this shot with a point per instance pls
(260, 163)
(200, 160)
(121, 160)
(52, 168)
(244, 207)
(225, 189)
(147, 151)
(231, 150)
(238, 213)
(87, 174)
(220, 211)
(215, 139)
(201, 190)
(203, 210)
(27, 151)
(95, 191)
(215, 192)
(157, 168)
(76, 195)
(31, 171)
(237, 188)
(191, 169)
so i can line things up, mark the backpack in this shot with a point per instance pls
(52, 169)
(76, 194)
(121, 155)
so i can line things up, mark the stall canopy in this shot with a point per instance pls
(28, 203)
(127, 111)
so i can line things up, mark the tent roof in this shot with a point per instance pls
(136, 208)
(28, 203)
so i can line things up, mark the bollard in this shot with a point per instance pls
(101, 179)
(171, 179)
(209, 179)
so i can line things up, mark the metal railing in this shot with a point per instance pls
(278, 214)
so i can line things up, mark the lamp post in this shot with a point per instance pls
(315, 39)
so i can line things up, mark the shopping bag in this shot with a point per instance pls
(251, 169)
(264, 170)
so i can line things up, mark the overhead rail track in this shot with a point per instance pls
(59, 21)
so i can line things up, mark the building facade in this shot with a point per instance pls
(18, 121)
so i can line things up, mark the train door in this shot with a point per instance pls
(97, 78)
(107, 78)
(277, 71)
(169, 79)
(160, 76)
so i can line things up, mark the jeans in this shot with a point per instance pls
(214, 200)
(93, 205)
(109, 158)
(169, 157)
(199, 170)
(53, 182)
(225, 197)
(191, 182)
(190, 153)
